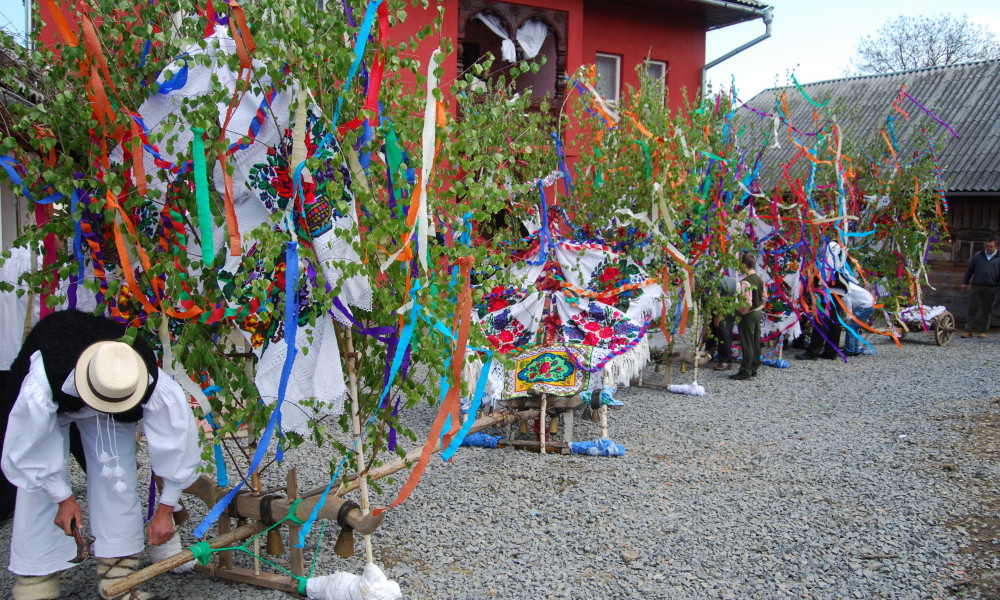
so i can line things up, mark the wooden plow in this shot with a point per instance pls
(281, 515)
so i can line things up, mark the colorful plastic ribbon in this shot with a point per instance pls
(273, 423)
(201, 196)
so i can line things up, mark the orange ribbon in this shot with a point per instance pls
(450, 404)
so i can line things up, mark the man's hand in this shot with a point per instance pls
(965, 287)
(161, 526)
(68, 512)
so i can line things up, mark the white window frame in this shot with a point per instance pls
(662, 64)
(618, 75)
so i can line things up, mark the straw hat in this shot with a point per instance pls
(111, 377)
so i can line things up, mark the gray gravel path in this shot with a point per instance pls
(825, 480)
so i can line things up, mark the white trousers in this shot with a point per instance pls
(38, 547)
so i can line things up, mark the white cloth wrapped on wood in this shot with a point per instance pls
(690, 389)
(371, 585)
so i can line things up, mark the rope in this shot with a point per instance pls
(203, 552)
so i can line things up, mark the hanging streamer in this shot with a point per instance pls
(201, 196)
(417, 216)
(264, 442)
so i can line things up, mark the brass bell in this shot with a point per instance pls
(275, 547)
(344, 548)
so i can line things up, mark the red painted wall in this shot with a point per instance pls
(49, 36)
(635, 34)
(598, 26)
(416, 18)
(593, 26)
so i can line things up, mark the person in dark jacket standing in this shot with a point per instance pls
(721, 326)
(751, 295)
(984, 276)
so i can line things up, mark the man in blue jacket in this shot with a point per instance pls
(984, 276)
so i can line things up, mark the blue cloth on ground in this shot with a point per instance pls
(608, 398)
(601, 447)
(481, 440)
(777, 363)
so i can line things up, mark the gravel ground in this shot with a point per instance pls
(825, 480)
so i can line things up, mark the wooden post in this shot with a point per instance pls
(567, 430)
(352, 378)
(120, 586)
(697, 343)
(297, 564)
(541, 422)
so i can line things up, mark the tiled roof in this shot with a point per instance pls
(966, 97)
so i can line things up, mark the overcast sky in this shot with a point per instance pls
(815, 39)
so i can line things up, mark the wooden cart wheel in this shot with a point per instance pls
(944, 328)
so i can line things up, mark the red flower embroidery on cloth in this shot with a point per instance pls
(610, 275)
(281, 184)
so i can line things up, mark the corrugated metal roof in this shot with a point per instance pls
(966, 97)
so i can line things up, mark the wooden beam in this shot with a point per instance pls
(141, 576)
(274, 581)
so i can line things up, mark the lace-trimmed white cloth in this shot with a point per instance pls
(913, 313)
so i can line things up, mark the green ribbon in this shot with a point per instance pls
(598, 174)
(806, 96)
(201, 196)
(393, 153)
(294, 518)
(202, 553)
(649, 158)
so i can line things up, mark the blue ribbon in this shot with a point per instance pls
(561, 154)
(221, 475)
(77, 234)
(544, 235)
(397, 360)
(291, 326)
(446, 427)
(477, 399)
(146, 47)
(677, 312)
(177, 81)
(77, 249)
(359, 51)
(8, 165)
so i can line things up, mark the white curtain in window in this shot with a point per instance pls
(531, 36)
(507, 49)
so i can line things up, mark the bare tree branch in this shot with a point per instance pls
(907, 43)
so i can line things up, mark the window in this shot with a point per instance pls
(656, 71)
(521, 32)
(609, 74)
